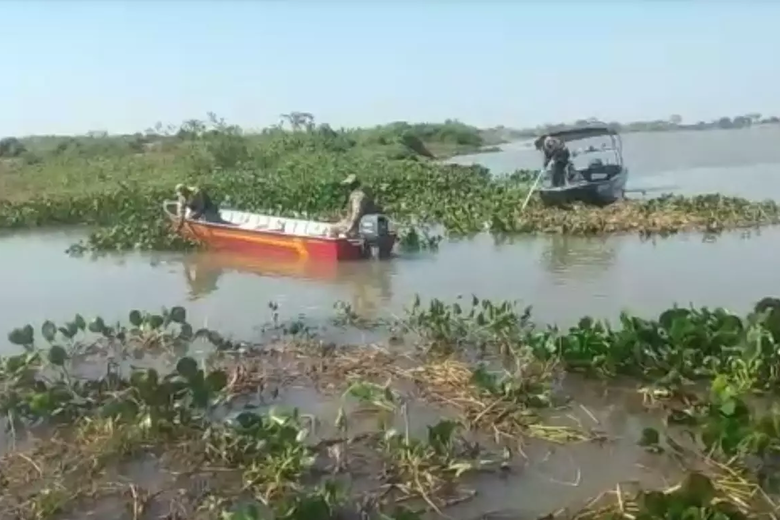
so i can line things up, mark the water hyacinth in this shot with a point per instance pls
(297, 173)
(218, 430)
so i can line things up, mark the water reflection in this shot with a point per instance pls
(567, 259)
(201, 277)
(368, 283)
(577, 256)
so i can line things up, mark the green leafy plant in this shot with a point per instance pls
(118, 184)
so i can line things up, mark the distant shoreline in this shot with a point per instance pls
(724, 123)
(395, 140)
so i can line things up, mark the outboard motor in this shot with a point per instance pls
(374, 230)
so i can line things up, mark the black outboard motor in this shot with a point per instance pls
(374, 230)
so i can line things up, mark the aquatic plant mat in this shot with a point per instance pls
(117, 187)
(156, 420)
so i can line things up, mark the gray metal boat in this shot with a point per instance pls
(595, 175)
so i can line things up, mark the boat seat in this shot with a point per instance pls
(240, 218)
(300, 228)
(317, 229)
(277, 224)
(254, 222)
(228, 215)
(290, 226)
(262, 221)
(258, 221)
(601, 172)
(251, 222)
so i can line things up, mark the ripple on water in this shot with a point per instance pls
(563, 278)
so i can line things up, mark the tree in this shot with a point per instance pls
(11, 147)
(191, 129)
(299, 121)
(675, 119)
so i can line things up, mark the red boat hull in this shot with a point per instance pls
(273, 244)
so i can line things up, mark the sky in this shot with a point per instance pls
(121, 66)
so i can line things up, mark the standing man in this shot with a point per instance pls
(557, 155)
(360, 203)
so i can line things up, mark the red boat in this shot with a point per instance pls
(267, 235)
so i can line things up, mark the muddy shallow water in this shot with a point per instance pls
(543, 476)
(562, 277)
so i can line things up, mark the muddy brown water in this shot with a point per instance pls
(562, 277)
(544, 477)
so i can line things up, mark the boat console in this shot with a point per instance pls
(597, 170)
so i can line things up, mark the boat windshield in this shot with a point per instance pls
(586, 153)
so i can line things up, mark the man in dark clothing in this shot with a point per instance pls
(198, 203)
(556, 157)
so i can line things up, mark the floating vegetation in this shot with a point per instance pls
(683, 345)
(662, 216)
(193, 415)
(87, 404)
(297, 174)
(697, 497)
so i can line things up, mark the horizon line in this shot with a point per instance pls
(158, 127)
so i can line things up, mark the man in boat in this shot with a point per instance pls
(556, 158)
(360, 203)
(198, 203)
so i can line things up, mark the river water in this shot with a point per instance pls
(562, 277)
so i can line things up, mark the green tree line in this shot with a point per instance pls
(297, 130)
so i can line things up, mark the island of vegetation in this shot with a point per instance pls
(115, 184)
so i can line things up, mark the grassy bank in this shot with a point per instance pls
(118, 184)
(55, 165)
(166, 427)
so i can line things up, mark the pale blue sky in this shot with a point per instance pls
(121, 66)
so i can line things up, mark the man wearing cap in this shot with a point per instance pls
(197, 202)
(360, 203)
